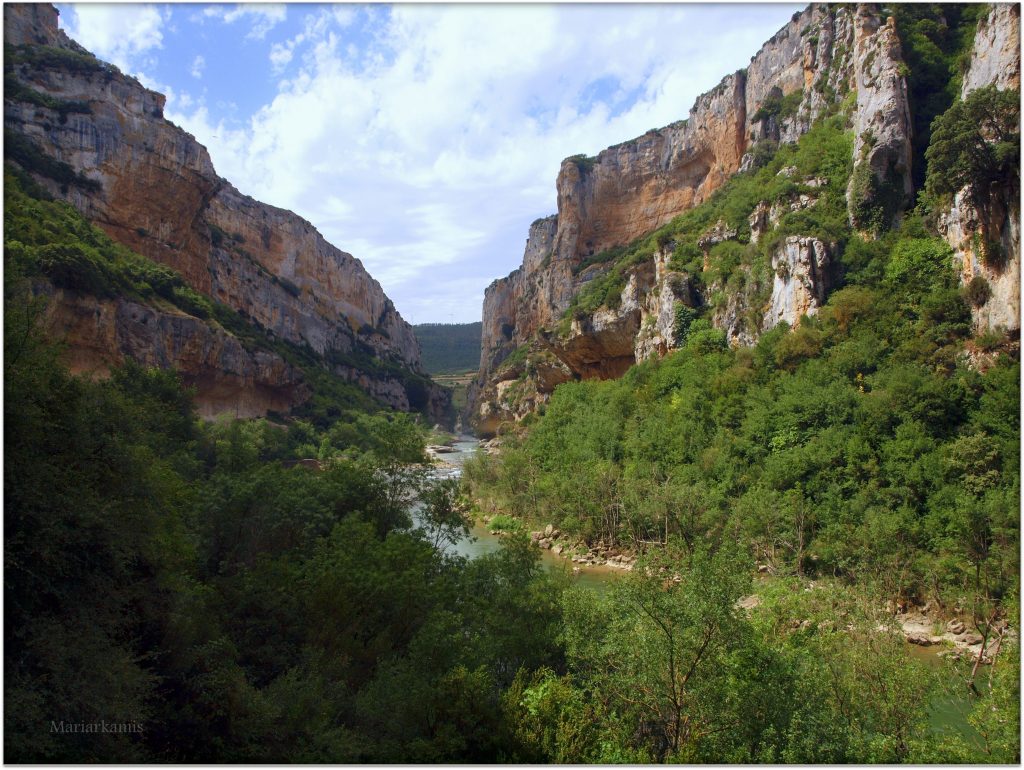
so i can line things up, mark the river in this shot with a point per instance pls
(947, 714)
(480, 541)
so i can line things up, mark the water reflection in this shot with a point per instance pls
(481, 542)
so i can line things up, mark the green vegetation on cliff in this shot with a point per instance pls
(43, 237)
(865, 419)
(869, 458)
(936, 41)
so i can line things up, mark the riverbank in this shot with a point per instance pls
(573, 551)
(933, 633)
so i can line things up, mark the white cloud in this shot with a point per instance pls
(198, 65)
(264, 16)
(280, 56)
(425, 141)
(119, 33)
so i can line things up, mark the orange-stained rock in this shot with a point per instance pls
(160, 196)
(228, 378)
(629, 190)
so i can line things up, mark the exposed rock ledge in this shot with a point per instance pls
(228, 378)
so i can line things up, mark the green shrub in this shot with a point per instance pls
(217, 236)
(703, 339)
(990, 339)
(504, 523)
(52, 57)
(684, 318)
(72, 267)
(762, 153)
(978, 291)
(919, 264)
(993, 254)
(777, 105)
(874, 203)
(583, 162)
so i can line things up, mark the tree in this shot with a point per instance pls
(662, 653)
(976, 144)
(442, 514)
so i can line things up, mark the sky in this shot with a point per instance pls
(423, 139)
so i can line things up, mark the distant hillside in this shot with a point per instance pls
(449, 348)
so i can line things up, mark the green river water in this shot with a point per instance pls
(481, 542)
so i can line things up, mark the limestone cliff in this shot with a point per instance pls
(152, 186)
(829, 60)
(995, 60)
(631, 189)
(227, 377)
(880, 185)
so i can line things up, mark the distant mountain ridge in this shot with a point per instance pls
(449, 348)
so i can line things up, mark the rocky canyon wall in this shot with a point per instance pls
(987, 243)
(151, 186)
(827, 57)
(631, 189)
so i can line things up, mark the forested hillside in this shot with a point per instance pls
(243, 590)
(449, 348)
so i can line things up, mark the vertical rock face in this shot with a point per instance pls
(159, 195)
(635, 187)
(30, 24)
(881, 181)
(509, 300)
(228, 378)
(971, 235)
(801, 266)
(632, 189)
(995, 60)
(809, 56)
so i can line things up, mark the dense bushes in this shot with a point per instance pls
(858, 455)
(800, 443)
(56, 58)
(185, 578)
